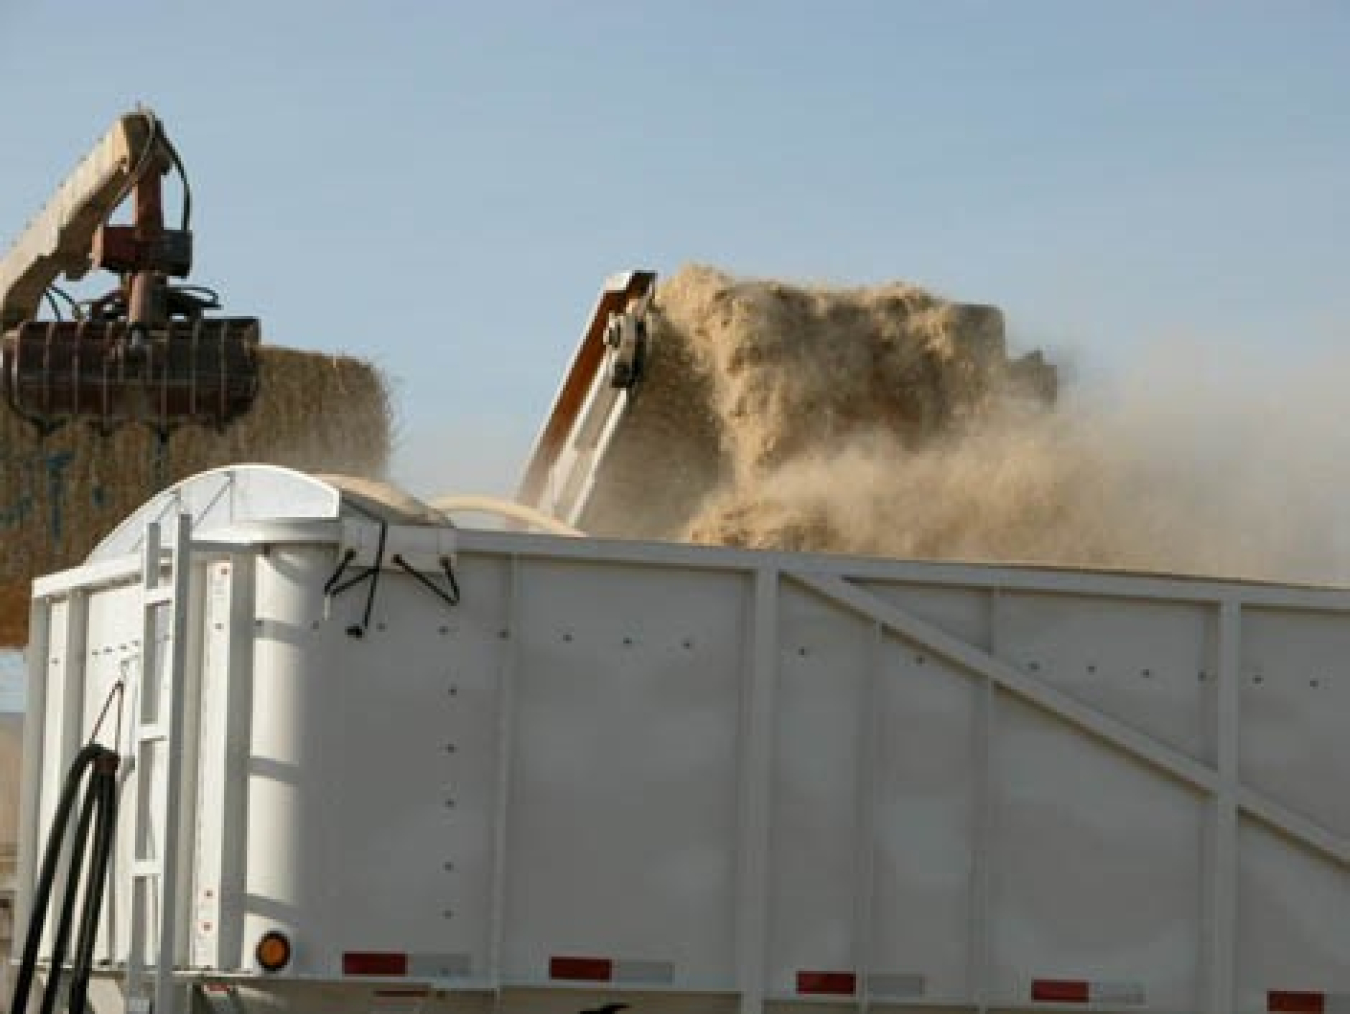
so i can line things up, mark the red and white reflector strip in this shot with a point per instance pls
(878, 985)
(629, 971)
(1086, 991)
(400, 964)
(822, 983)
(1294, 1001)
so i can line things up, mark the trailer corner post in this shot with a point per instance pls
(30, 803)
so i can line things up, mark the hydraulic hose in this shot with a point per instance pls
(47, 875)
(99, 810)
(79, 850)
(104, 836)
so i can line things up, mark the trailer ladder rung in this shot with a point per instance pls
(155, 733)
(160, 596)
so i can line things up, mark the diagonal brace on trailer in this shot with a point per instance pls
(1141, 746)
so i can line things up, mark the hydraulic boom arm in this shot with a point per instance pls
(60, 239)
(144, 352)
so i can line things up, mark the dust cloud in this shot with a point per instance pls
(884, 421)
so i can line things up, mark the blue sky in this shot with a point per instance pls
(441, 187)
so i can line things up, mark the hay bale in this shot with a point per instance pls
(61, 493)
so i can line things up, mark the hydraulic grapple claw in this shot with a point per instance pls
(201, 371)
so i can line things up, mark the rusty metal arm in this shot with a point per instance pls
(59, 240)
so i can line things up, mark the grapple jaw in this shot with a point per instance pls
(200, 371)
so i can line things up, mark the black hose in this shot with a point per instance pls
(42, 895)
(79, 850)
(186, 220)
(104, 837)
(100, 799)
(53, 304)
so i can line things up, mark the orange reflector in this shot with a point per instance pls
(273, 951)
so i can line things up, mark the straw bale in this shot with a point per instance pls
(61, 493)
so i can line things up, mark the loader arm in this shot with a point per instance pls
(60, 239)
(145, 352)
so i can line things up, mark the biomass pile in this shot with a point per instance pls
(61, 493)
(885, 421)
(755, 388)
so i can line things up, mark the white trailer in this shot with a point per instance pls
(471, 771)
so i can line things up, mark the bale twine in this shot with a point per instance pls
(61, 493)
